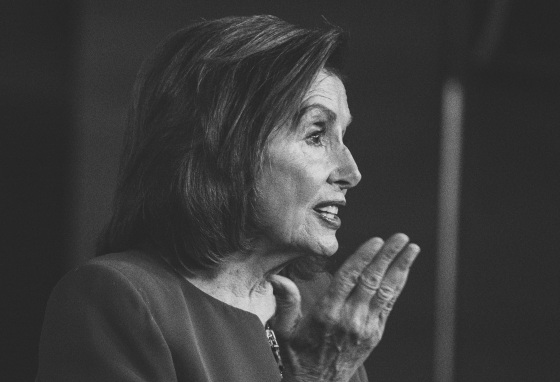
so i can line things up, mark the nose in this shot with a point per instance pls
(345, 174)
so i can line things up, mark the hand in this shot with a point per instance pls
(340, 332)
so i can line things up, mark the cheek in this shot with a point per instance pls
(287, 193)
(286, 189)
(303, 186)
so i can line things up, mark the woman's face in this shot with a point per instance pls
(307, 173)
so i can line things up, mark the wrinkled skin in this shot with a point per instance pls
(340, 332)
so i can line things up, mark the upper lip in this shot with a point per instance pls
(338, 202)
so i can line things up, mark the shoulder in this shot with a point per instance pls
(127, 293)
(135, 265)
(139, 268)
(118, 278)
(101, 323)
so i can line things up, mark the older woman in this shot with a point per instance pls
(234, 170)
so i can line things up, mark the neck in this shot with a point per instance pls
(242, 282)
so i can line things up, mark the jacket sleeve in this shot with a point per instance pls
(98, 327)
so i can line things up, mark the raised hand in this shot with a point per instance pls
(340, 332)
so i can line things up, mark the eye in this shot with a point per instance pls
(316, 137)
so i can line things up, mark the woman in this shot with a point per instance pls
(234, 170)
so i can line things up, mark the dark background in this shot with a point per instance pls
(66, 70)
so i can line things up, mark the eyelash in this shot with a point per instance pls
(315, 138)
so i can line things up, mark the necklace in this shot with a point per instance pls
(274, 347)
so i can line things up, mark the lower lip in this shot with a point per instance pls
(332, 221)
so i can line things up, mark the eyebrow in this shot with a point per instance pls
(331, 115)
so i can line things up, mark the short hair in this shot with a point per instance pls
(202, 109)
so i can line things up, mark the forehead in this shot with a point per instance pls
(328, 90)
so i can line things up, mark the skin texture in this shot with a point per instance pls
(307, 166)
(340, 332)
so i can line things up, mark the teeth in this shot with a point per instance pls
(329, 209)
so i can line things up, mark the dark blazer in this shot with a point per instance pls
(131, 317)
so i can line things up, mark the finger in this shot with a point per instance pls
(394, 281)
(389, 306)
(347, 276)
(288, 305)
(381, 319)
(371, 278)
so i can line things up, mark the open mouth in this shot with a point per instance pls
(328, 211)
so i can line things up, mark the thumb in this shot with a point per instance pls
(288, 305)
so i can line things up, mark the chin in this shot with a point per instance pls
(313, 258)
(326, 247)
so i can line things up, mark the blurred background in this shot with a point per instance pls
(483, 302)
